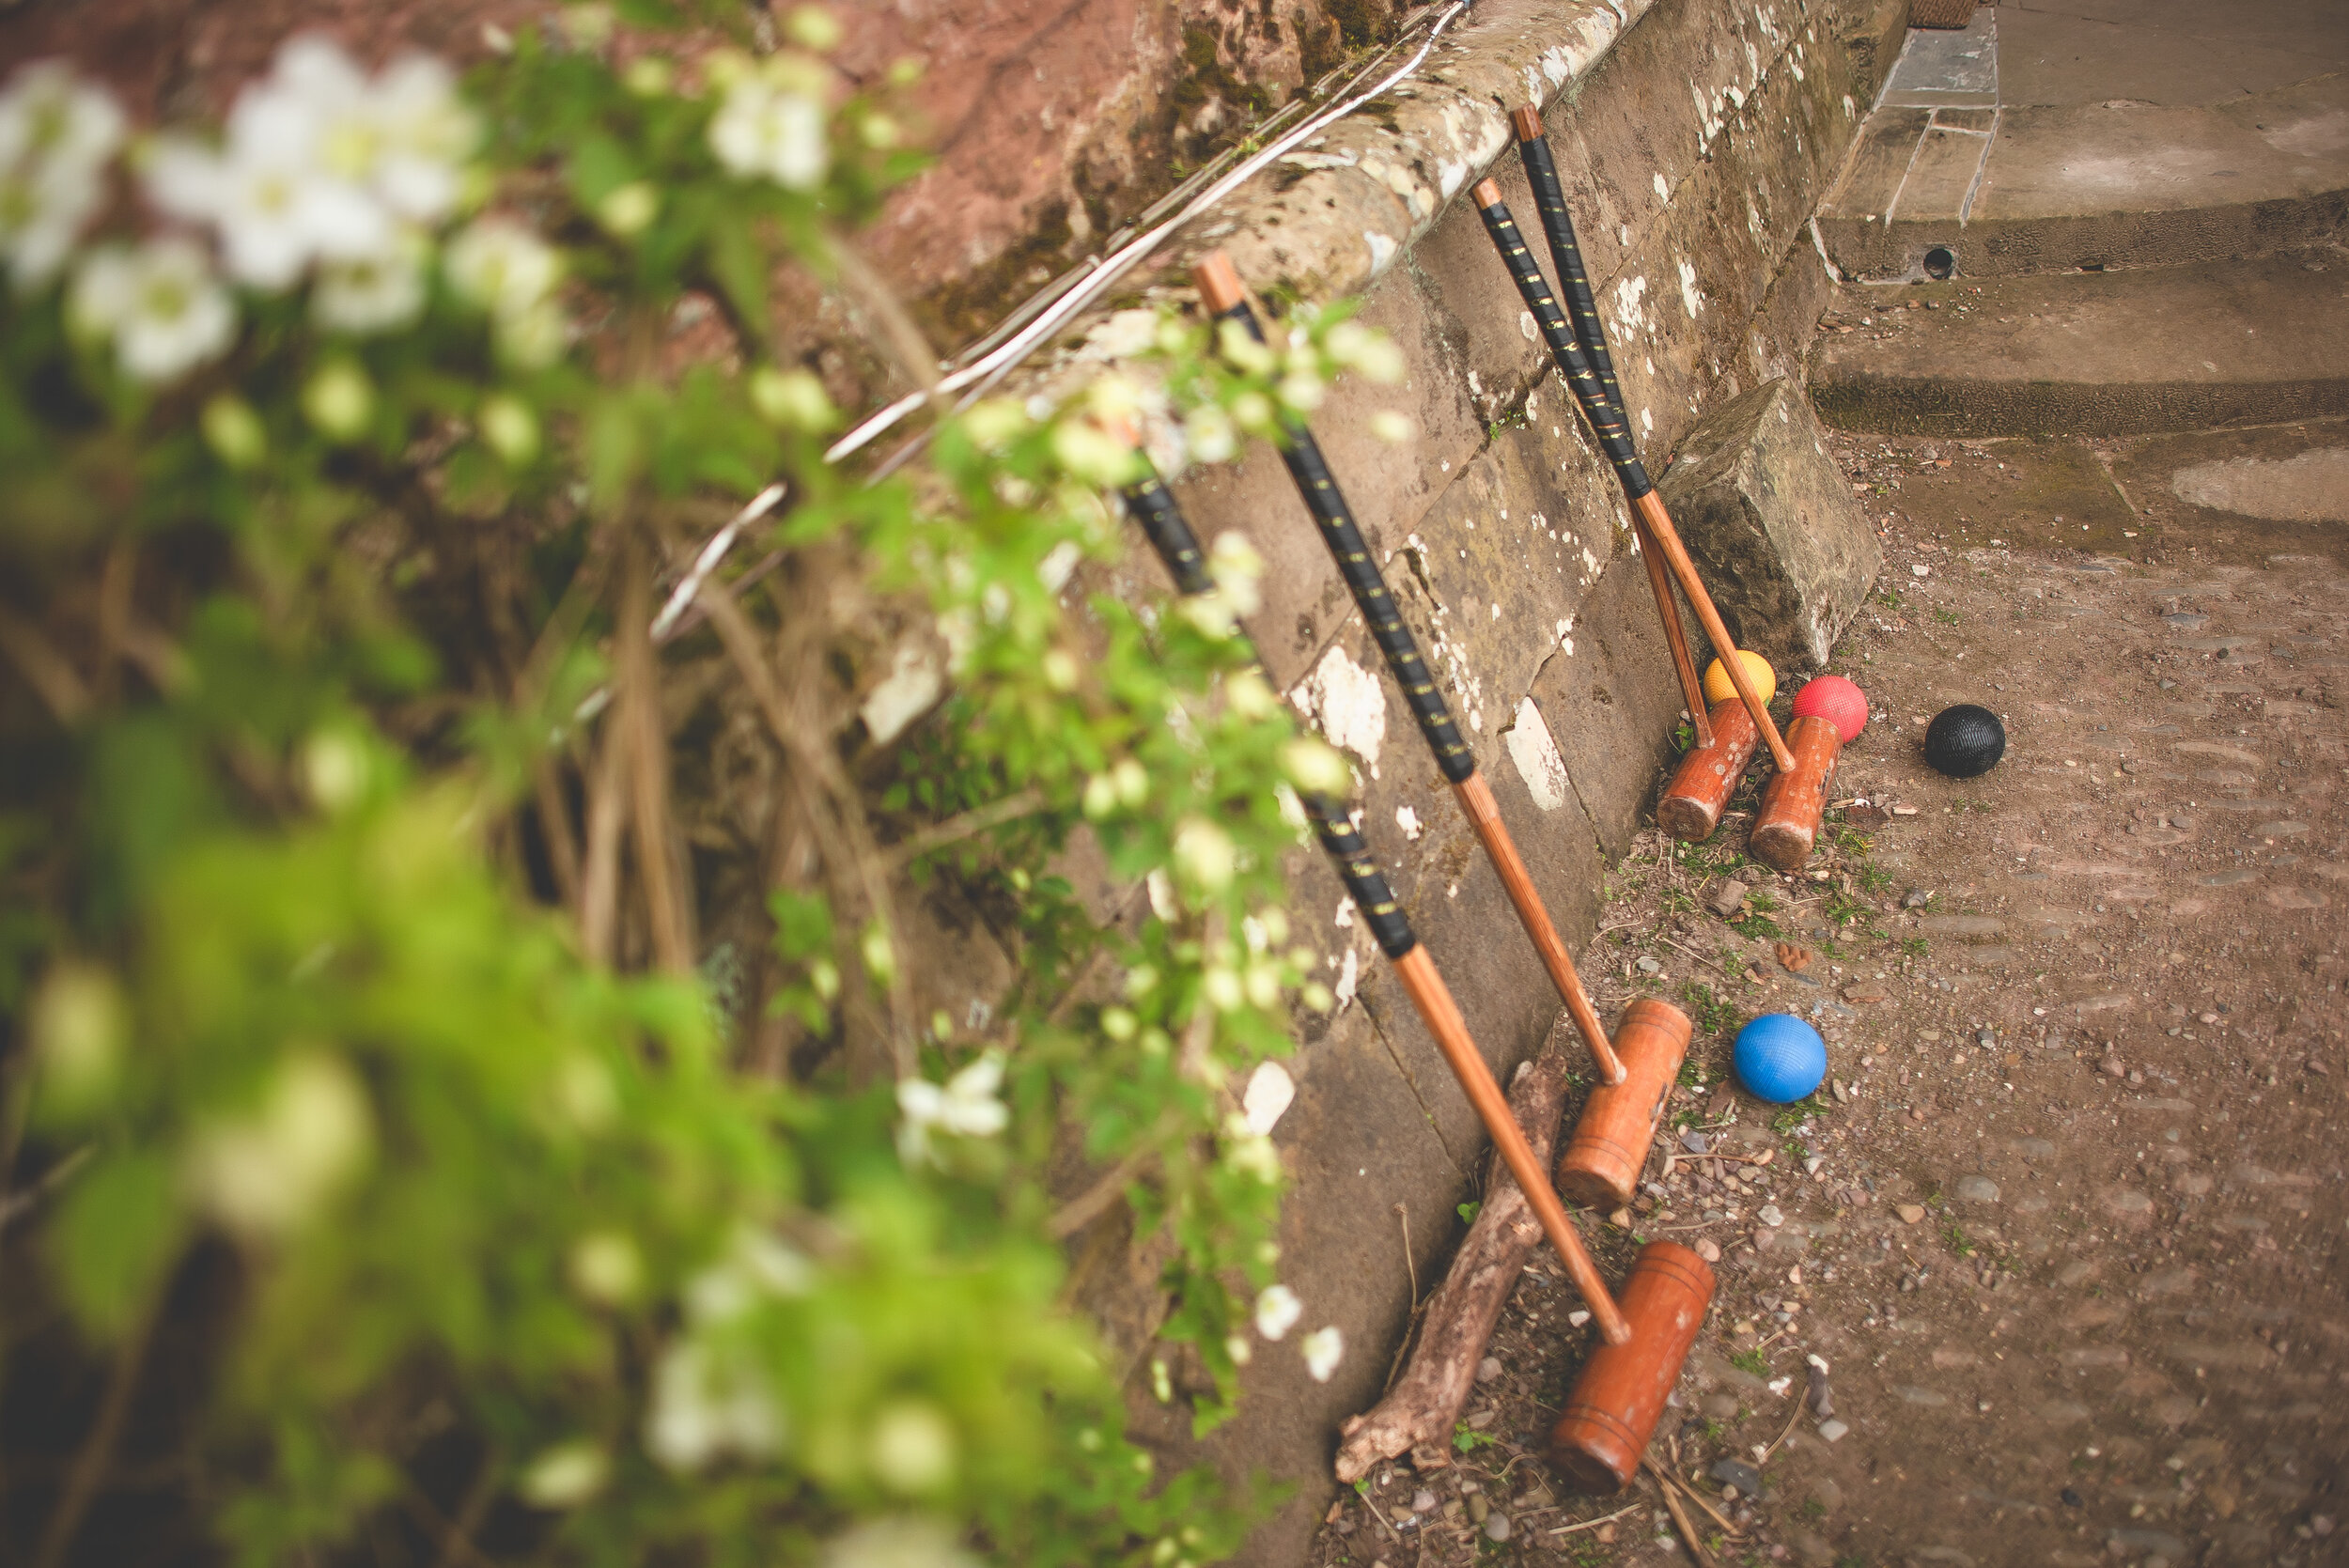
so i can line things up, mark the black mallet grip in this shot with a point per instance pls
(1564, 348)
(1169, 533)
(1344, 537)
(1550, 201)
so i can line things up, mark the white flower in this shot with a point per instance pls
(1203, 855)
(770, 129)
(1255, 1156)
(1235, 566)
(266, 1172)
(566, 1476)
(1277, 1311)
(78, 1027)
(1324, 1348)
(897, 1543)
(500, 265)
(1208, 431)
(48, 115)
(1355, 346)
(758, 1265)
(56, 134)
(372, 294)
(1315, 767)
(708, 1402)
(913, 1448)
(965, 1106)
(605, 1267)
(160, 303)
(424, 133)
(269, 190)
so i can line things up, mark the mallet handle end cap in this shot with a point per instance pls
(1218, 282)
(1527, 122)
(1488, 193)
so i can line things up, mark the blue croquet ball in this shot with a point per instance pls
(1780, 1057)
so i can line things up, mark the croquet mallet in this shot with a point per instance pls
(1614, 435)
(1601, 1164)
(1829, 713)
(1691, 805)
(1227, 301)
(1645, 1335)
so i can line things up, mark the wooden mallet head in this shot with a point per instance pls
(1829, 712)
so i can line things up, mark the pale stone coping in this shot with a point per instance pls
(1331, 217)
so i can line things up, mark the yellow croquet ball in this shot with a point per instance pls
(1758, 672)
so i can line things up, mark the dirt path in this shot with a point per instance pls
(2071, 1248)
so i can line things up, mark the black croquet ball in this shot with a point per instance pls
(1965, 741)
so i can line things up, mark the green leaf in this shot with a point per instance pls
(740, 268)
(116, 1235)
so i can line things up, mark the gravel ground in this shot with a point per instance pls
(2064, 1228)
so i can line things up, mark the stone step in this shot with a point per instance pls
(2095, 353)
(2056, 134)
(2058, 188)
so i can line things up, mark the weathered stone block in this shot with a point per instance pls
(1783, 548)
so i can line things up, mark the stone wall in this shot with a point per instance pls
(1694, 147)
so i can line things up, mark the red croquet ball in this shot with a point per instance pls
(1837, 700)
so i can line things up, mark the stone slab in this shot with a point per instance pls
(2112, 353)
(1952, 67)
(2108, 184)
(1784, 551)
(2162, 52)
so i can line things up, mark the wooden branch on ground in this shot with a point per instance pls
(1419, 1413)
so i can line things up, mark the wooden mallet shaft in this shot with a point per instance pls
(1226, 298)
(1615, 439)
(1178, 547)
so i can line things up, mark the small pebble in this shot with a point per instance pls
(2113, 1067)
(1833, 1431)
(1649, 966)
(1496, 1525)
(1911, 1214)
(1489, 1369)
(1423, 1502)
(1708, 1250)
(1737, 1473)
(1478, 1506)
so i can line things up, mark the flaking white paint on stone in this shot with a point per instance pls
(1691, 298)
(911, 688)
(1268, 1094)
(1631, 308)
(1407, 820)
(1350, 704)
(1535, 754)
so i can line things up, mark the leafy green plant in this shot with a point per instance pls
(1467, 1439)
(355, 675)
(1751, 1360)
(1754, 924)
(1709, 1013)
